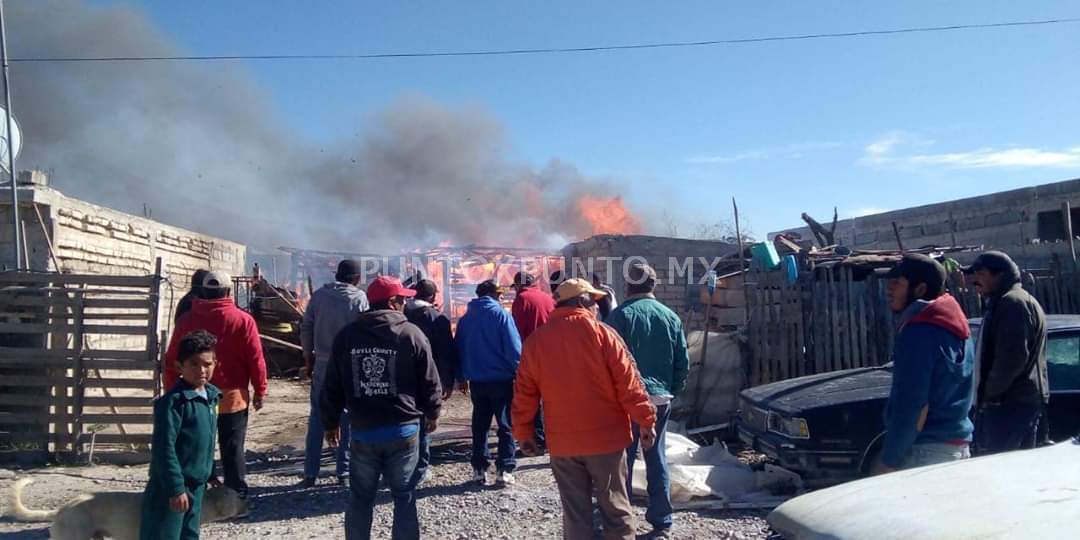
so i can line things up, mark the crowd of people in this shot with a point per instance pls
(569, 372)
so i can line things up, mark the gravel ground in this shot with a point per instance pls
(449, 506)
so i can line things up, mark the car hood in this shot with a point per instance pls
(1025, 494)
(824, 389)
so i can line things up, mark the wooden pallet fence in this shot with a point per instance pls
(56, 388)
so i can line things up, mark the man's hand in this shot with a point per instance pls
(257, 403)
(309, 365)
(648, 438)
(180, 503)
(431, 424)
(529, 448)
(333, 436)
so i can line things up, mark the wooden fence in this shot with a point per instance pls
(78, 362)
(836, 318)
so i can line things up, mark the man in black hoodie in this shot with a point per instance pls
(1011, 358)
(436, 326)
(382, 370)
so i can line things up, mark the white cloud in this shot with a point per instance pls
(1012, 157)
(867, 211)
(887, 149)
(751, 155)
(790, 151)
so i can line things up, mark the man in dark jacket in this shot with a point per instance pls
(422, 312)
(331, 308)
(489, 348)
(1011, 355)
(184, 305)
(381, 369)
(926, 418)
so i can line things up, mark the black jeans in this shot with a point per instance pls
(1006, 426)
(492, 399)
(232, 431)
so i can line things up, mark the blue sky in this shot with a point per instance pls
(786, 127)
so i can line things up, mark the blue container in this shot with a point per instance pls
(763, 255)
(791, 267)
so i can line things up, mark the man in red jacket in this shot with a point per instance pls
(240, 367)
(531, 309)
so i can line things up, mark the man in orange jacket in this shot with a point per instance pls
(591, 391)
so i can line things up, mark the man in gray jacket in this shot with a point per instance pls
(331, 308)
(1011, 358)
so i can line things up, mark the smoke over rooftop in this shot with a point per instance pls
(204, 147)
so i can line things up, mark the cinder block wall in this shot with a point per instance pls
(668, 256)
(1007, 220)
(96, 240)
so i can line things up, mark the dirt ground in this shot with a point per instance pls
(449, 506)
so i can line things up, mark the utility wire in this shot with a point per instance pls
(555, 50)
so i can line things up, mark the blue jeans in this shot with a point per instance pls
(424, 458)
(1006, 426)
(492, 399)
(314, 443)
(659, 511)
(396, 461)
(934, 453)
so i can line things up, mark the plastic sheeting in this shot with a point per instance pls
(712, 388)
(712, 471)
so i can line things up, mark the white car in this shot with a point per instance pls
(1025, 494)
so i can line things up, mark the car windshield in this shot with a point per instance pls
(1063, 361)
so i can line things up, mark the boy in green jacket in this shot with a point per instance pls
(182, 450)
(654, 335)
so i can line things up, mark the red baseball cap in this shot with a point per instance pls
(385, 288)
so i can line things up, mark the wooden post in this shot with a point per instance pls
(48, 238)
(153, 355)
(952, 228)
(79, 372)
(1066, 209)
(742, 257)
(896, 232)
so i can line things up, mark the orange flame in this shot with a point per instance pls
(608, 215)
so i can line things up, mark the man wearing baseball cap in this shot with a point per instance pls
(654, 335)
(584, 374)
(489, 349)
(926, 418)
(1013, 387)
(382, 371)
(333, 306)
(241, 368)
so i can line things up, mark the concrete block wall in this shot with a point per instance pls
(1007, 220)
(93, 239)
(676, 261)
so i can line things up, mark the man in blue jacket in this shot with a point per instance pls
(489, 349)
(926, 419)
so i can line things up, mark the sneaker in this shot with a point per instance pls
(479, 477)
(307, 483)
(505, 479)
(424, 478)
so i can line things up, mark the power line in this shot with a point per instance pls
(554, 50)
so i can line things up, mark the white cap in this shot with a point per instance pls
(217, 279)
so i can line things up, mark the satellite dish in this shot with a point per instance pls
(16, 141)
